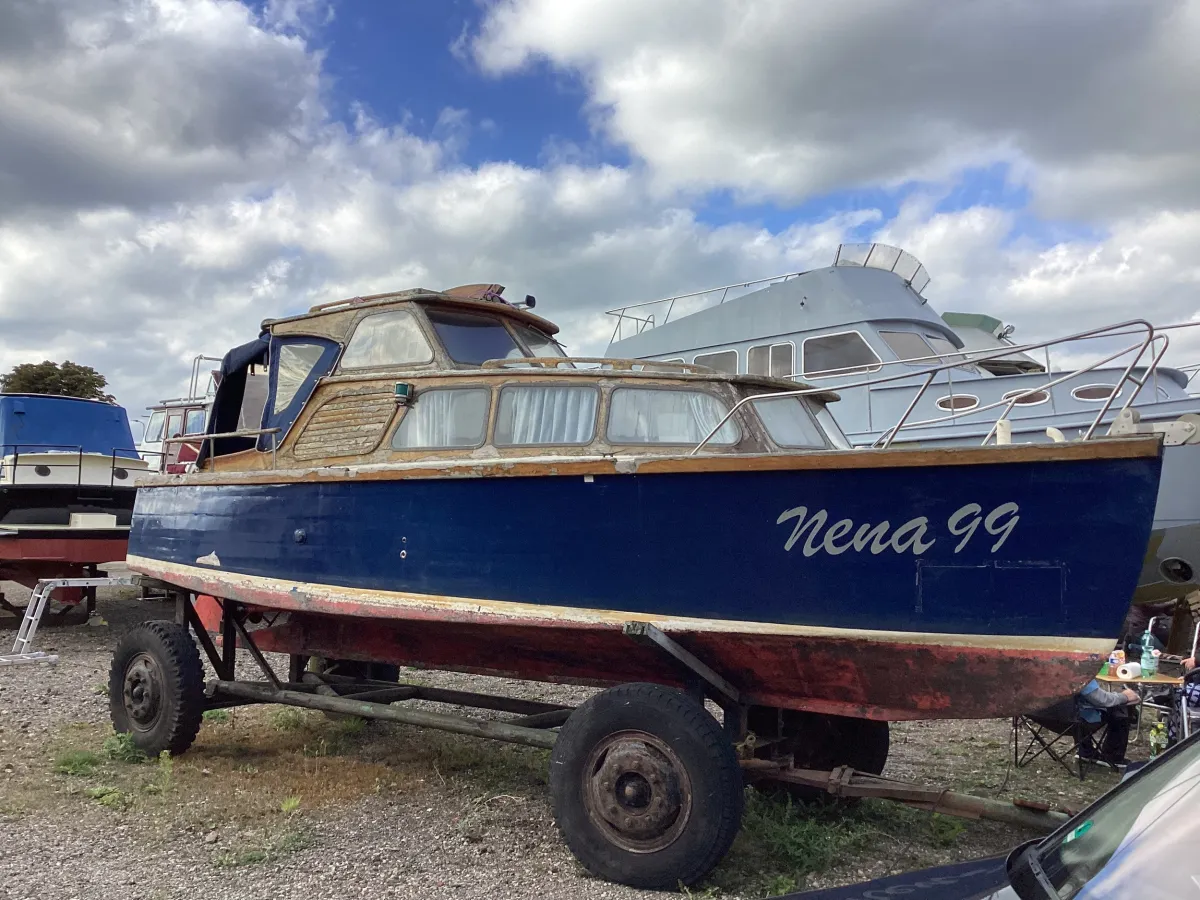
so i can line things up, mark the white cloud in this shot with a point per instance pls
(784, 100)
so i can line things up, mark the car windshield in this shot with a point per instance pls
(1139, 841)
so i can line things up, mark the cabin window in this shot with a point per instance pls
(944, 348)
(194, 422)
(387, 339)
(546, 414)
(1032, 398)
(839, 354)
(789, 423)
(725, 361)
(175, 425)
(908, 345)
(1094, 392)
(296, 362)
(539, 344)
(472, 340)
(154, 428)
(957, 402)
(775, 360)
(832, 429)
(659, 416)
(444, 418)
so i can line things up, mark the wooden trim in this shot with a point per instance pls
(1138, 447)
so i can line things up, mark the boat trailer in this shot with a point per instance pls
(613, 777)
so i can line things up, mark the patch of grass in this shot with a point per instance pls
(487, 767)
(100, 690)
(784, 842)
(289, 805)
(119, 747)
(945, 830)
(349, 727)
(106, 795)
(79, 763)
(217, 716)
(273, 848)
(288, 718)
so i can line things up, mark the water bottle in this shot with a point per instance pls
(1149, 658)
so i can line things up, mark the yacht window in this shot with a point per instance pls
(832, 429)
(944, 348)
(908, 345)
(775, 360)
(1094, 392)
(387, 339)
(154, 429)
(254, 401)
(539, 343)
(789, 423)
(194, 423)
(175, 425)
(957, 402)
(658, 416)
(725, 361)
(451, 417)
(839, 354)
(296, 362)
(472, 340)
(546, 414)
(1032, 398)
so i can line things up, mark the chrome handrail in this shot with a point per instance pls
(211, 439)
(930, 373)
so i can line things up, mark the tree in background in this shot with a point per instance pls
(67, 380)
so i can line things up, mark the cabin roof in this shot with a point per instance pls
(463, 297)
(31, 423)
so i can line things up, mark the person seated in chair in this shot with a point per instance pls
(1112, 708)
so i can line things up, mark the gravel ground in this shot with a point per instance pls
(381, 811)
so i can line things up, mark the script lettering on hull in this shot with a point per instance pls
(914, 536)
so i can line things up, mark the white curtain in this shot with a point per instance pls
(542, 414)
(640, 416)
(446, 418)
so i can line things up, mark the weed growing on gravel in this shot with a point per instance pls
(100, 690)
(276, 846)
(288, 718)
(79, 763)
(109, 796)
(945, 830)
(217, 716)
(119, 747)
(289, 805)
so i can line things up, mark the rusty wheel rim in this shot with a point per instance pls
(143, 692)
(636, 791)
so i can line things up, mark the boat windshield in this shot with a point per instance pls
(946, 349)
(1139, 841)
(789, 423)
(154, 427)
(539, 344)
(472, 339)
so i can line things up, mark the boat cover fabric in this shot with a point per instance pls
(42, 423)
(227, 405)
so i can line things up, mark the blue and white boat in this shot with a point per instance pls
(434, 483)
(863, 327)
(67, 483)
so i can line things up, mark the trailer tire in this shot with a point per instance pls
(646, 787)
(156, 688)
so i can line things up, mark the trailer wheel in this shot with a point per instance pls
(825, 742)
(156, 688)
(646, 787)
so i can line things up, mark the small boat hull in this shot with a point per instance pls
(905, 584)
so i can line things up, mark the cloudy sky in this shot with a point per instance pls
(173, 171)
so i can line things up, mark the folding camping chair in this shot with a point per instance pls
(1057, 731)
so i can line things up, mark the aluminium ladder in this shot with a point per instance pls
(38, 601)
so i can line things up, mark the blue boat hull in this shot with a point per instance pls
(1014, 564)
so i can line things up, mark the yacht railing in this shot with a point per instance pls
(1133, 326)
(211, 439)
(10, 472)
(645, 322)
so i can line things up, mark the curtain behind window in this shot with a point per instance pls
(641, 416)
(444, 418)
(544, 414)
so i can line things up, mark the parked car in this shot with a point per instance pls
(1138, 840)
